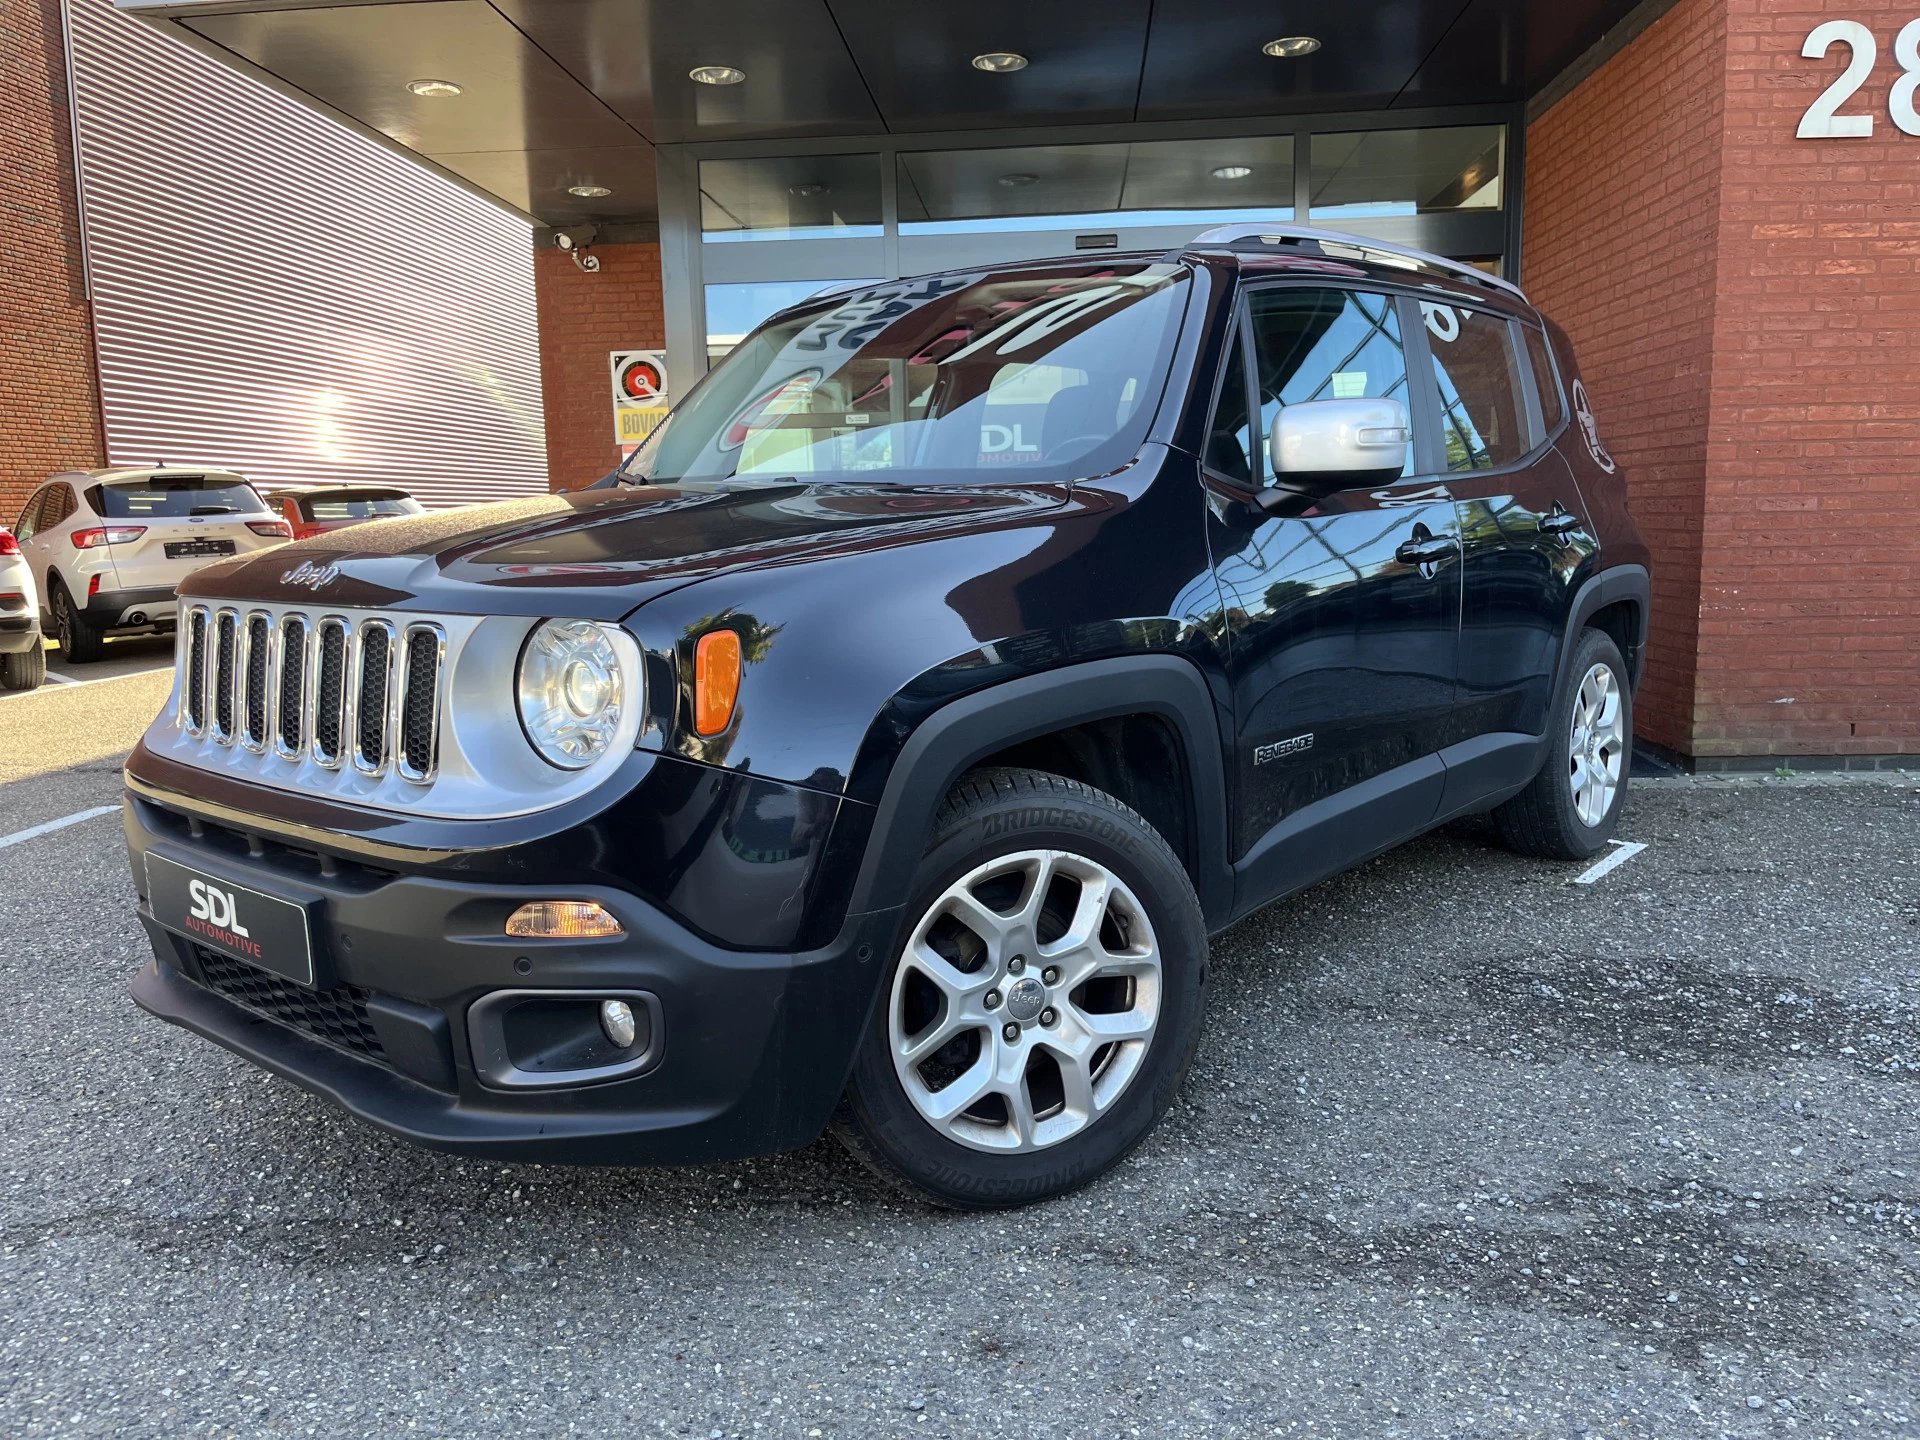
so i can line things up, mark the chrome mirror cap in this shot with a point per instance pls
(1339, 437)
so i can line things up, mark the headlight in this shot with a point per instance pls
(572, 690)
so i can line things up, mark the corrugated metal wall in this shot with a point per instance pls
(278, 294)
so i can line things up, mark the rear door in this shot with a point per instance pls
(1342, 614)
(1523, 529)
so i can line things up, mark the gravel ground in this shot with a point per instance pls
(1469, 1150)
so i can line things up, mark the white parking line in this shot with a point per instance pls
(33, 832)
(69, 680)
(1628, 849)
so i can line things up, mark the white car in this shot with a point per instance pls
(23, 659)
(107, 547)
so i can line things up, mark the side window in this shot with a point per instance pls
(1545, 378)
(29, 520)
(1230, 438)
(1326, 345)
(1482, 417)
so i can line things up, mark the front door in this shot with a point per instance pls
(1342, 614)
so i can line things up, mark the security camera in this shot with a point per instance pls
(578, 242)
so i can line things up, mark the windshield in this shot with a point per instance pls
(171, 495)
(1046, 373)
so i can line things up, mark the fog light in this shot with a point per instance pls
(562, 920)
(616, 1018)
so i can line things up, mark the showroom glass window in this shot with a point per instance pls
(1122, 183)
(1313, 344)
(1477, 373)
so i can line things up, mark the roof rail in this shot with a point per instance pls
(1404, 256)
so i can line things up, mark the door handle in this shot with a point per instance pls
(1424, 550)
(1560, 522)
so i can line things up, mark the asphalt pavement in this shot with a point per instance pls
(1469, 1149)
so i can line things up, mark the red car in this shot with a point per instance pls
(316, 509)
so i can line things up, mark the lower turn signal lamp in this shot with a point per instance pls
(562, 920)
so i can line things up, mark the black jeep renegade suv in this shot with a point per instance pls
(958, 657)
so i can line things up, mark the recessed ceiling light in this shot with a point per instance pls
(716, 75)
(433, 89)
(808, 189)
(589, 192)
(1018, 179)
(1290, 47)
(1000, 62)
(1232, 172)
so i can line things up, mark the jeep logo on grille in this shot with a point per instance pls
(310, 575)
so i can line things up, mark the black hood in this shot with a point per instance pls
(610, 550)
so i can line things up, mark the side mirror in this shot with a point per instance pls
(1318, 446)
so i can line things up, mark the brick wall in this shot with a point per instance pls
(1621, 225)
(49, 401)
(582, 318)
(1746, 305)
(1810, 587)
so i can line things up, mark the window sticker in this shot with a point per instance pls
(1589, 428)
(1442, 320)
(1349, 384)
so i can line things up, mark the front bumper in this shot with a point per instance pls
(750, 1057)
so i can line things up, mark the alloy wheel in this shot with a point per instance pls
(1596, 747)
(1025, 1001)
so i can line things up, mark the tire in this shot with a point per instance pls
(1555, 817)
(26, 670)
(1058, 1122)
(81, 642)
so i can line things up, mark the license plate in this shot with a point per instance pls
(231, 919)
(190, 549)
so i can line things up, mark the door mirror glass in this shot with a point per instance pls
(1329, 444)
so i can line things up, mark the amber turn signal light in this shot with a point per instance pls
(562, 920)
(716, 680)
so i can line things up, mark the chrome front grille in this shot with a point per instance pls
(321, 688)
(255, 718)
(290, 723)
(226, 645)
(329, 706)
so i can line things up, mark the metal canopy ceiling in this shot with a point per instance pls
(556, 93)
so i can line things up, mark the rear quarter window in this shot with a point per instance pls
(1553, 408)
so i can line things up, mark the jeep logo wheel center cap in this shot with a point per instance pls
(1026, 998)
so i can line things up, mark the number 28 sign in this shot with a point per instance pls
(1823, 120)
